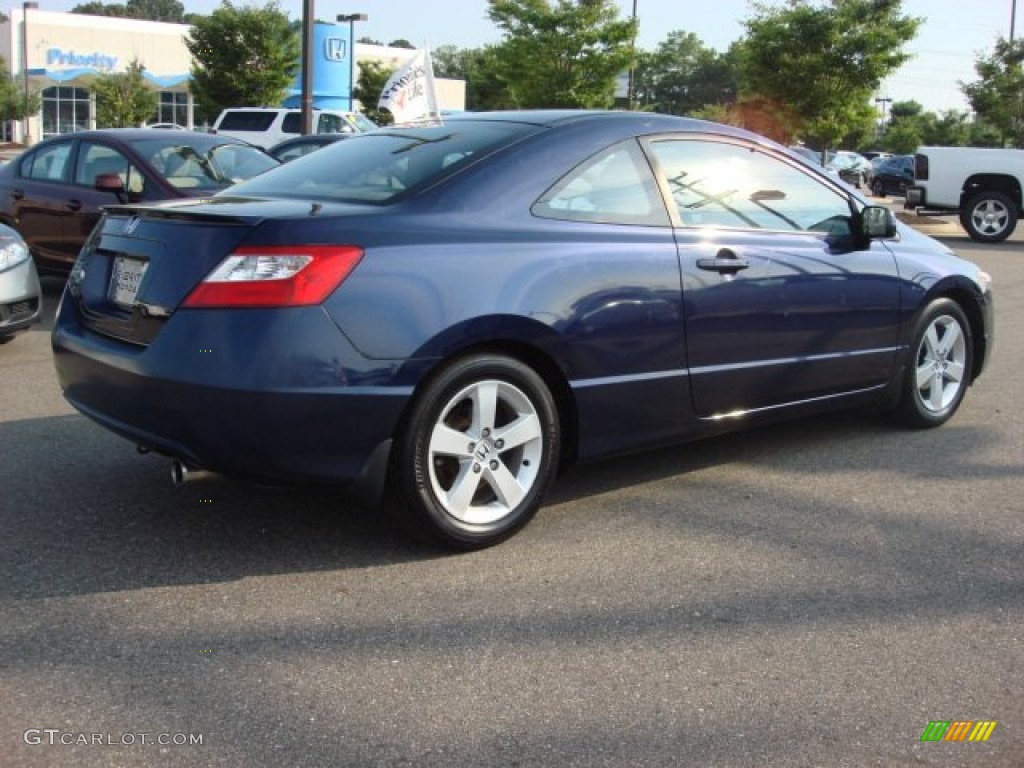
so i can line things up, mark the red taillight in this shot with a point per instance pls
(276, 276)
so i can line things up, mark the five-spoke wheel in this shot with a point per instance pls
(941, 365)
(478, 452)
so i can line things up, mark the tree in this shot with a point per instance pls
(998, 97)
(373, 76)
(478, 67)
(561, 53)
(825, 62)
(123, 99)
(13, 98)
(242, 56)
(683, 75)
(151, 10)
(98, 8)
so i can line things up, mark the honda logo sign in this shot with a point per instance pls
(334, 48)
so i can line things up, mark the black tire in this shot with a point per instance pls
(469, 477)
(989, 217)
(939, 366)
(877, 189)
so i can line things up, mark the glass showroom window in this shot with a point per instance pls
(173, 108)
(65, 110)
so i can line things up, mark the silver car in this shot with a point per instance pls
(21, 302)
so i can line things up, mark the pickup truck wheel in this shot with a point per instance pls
(989, 217)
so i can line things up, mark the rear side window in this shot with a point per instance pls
(615, 186)
(48, 163)
(246, 121)
(382, 166)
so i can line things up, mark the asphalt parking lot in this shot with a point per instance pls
(812, 594)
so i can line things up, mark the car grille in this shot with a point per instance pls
(18, 311)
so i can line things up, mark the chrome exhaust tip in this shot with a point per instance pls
(179, 472)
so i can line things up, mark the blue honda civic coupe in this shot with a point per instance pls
(441, 317)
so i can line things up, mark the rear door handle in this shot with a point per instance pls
(74, 205)
(17, 194)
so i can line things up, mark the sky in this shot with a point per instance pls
(954, 32)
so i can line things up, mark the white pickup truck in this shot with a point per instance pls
(982, 185)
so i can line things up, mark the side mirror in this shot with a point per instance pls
(877, 222)
(109, 182)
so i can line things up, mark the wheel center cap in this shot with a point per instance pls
(484, 450)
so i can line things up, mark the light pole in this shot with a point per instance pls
(306, 103)
(25, 8)
(884, 101)
(632, 65)
(352, 18)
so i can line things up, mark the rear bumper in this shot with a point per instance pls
(254, 426)
(916, 197)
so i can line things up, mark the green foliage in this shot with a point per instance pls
(560, 53)
(123, 99)
(909, 126)
(998, 96)
(13, 101)
(824, 61)
(683, 76)
(373, 76)
(479, 68)
(242, 56)
(151, 10)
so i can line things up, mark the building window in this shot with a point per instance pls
(173, 108)
(65, 110)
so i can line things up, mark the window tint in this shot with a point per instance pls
(246, 121)
(48, 163)
(726, 185)
(615, 186)
(381, 166)
(292, 123)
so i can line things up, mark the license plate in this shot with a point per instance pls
(125, 280)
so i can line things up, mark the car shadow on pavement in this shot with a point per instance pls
(87, 514)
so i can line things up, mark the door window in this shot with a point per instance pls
(717, 184)
(98, 159)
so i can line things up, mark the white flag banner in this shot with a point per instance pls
(409, 94)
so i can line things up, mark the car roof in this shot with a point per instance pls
(638, 122)
(131, 134)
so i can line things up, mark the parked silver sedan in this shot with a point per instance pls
(21, 302)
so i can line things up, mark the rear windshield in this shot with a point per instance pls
(379, 167)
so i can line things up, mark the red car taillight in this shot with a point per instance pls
(276, 276)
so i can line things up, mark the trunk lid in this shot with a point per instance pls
(141, 262)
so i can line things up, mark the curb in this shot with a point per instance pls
(929, 225)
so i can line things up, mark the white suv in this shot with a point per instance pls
(267, 126)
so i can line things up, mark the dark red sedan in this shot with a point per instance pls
(52, 193)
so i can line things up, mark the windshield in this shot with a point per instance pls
(205, 165)
(379, 167)
(362, 122)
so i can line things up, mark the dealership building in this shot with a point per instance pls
(58, 55)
